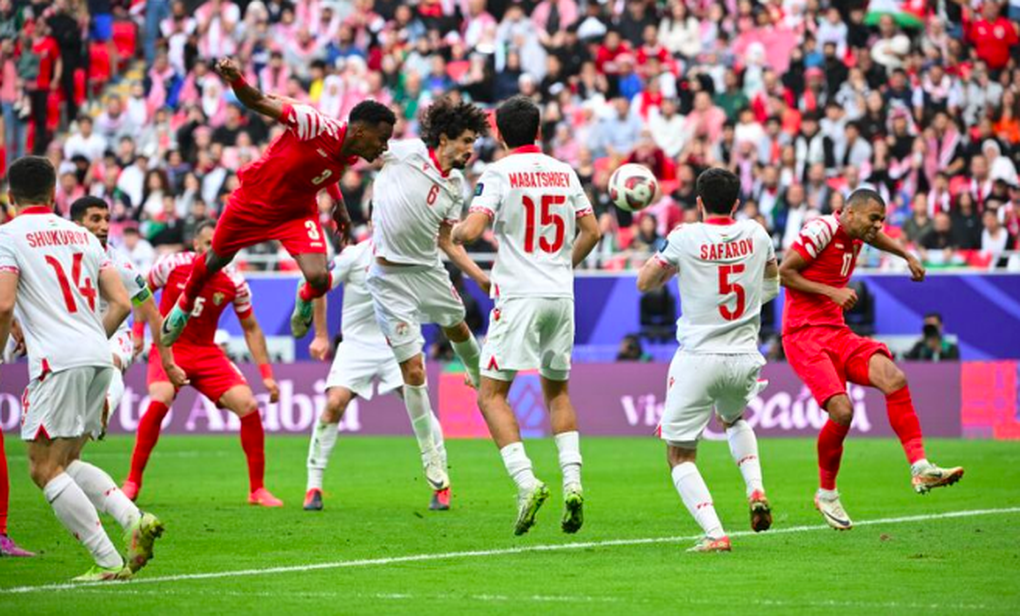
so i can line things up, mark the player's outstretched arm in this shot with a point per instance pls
(469, 229)
(250, 96)
(653, 274)
(256, 341)
(887, 244)
(319, 347)
(118, 304)
(461, 259)
(791, 278)
(770, 282)
(8, 295)
(588, 236)
(148, 311)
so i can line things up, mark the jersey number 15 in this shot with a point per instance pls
(547, 218)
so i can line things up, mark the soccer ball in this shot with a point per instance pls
(632, 187)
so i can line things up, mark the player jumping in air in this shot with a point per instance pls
(277, 196)
(546, 227)
(55, 273)
(825, 354)
(362, 357)
(94, 214)
(207, 367)
(726, 270)
(418, 197)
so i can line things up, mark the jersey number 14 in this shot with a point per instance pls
(84, 284)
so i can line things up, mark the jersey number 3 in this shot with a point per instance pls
(85, 287)
(726, 287)
(547, 218)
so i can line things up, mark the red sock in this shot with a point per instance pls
(148, 435)
(307, 292)
(830, 452)
(5, 487)
(903, 420)
(253, 441)
(200, 274)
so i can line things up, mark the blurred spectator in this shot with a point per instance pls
(138, 249)
(939, 246)
(632, 350)
(933, 346)
(920, 223)
(84, 142)
(994, 239)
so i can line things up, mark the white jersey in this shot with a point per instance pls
(350, 268)
(58, 305)
(534, 202)
(721, 268)
(411, 200)
(134, 282)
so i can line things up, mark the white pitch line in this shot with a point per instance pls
(413, 558)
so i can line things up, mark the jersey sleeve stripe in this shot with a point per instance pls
(661, 262)
(477, 209)
(12, 269)
(583, 213)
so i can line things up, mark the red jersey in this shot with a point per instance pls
(284, 182)
(226, 287)
(48, 53)
(831, 256)
(993, 40)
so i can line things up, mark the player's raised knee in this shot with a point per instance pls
(840, 410)
(318, 279)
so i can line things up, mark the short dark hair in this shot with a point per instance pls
(31, 180)
(372, 112)
(862, 197)
(718, 189)
(205, 224)
(84, 204)
(934, 315)
(518, 120)
(445, 117)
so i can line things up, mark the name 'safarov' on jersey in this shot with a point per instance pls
(831, 256)
(411, 200)
(298, 164)
(227, 287)
(350, 268)
(720, 270)
(58, 302)
(534, 202)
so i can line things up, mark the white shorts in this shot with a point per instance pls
(406, 297)
(356, 365)
(528, 333)
(700, 382)
(122, 345)
(66, 404)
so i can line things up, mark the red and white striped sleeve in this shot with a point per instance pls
(815, 236)
(242, 294)
(8, 255)
(161, 269)
(307, 123)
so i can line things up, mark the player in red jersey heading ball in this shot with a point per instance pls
(277, 196)
(825, 354)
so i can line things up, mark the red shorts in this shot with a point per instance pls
(243, 225)
(825, 358)
(208, 369)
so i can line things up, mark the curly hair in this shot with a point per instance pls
(445, 117)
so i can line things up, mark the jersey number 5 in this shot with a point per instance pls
(547, 218)
(85, 287)
(726, 287)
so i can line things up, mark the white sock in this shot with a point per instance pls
(320, 447)
(81, 519)
(419, 411)
(694, 493)
(919, 466)
(518, 465)
(470, 353)
(569, 446)
(744, 449)
(437, 438)
(104, 493)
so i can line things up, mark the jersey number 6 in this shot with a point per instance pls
(547, 218)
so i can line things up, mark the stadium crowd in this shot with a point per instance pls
(805, 100)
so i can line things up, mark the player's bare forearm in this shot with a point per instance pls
(112, 290)
(894, 247)
(469, 229)
(791, 278)
(319, 317)
(587, 238)
(8, 295)
(770, 281)
(250, 96)
(255, 339)
(653, 274)
(460, 258)
(150, 314)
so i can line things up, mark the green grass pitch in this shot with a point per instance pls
(376, 511)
